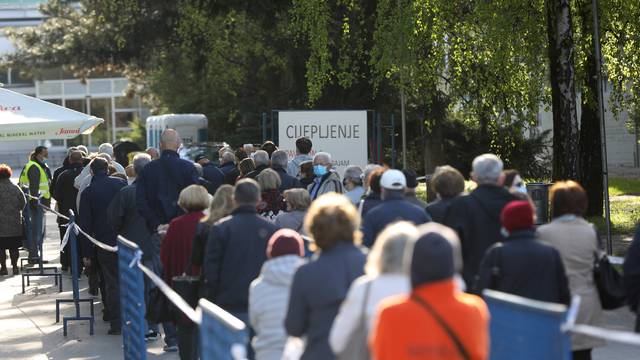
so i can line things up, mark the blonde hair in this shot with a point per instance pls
(193, 198)
(269, 180)
(221, 204)
(297, 199)
(332, 219)
(387, 254)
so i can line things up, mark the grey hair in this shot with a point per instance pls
(170, 136)
(388, 252)
(83, 149)
(140, 161)
(279, 158)
(367, 171)
(199, 169)
(353, 172)
(487, 169)
(105, 156)
(324, 156)
(261, 157)
(71, 149)
(228, 156)
(106, 148)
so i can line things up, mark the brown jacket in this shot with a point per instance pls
(13, 201)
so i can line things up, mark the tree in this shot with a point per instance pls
(563, 94)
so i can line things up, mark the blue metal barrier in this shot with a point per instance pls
(526, 329)
(222, 336)
(132, 306)
(76, 289)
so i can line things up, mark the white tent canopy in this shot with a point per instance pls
(24, 117)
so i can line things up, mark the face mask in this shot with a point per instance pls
(319, 170)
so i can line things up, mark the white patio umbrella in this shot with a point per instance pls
(24, 117)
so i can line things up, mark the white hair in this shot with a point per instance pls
(279, 158)
(325, 156)
(261, 157)
(228, 156)
(487, 169)
(106, 148)
(388, 252)
(140, 161)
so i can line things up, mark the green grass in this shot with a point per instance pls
(619, 186)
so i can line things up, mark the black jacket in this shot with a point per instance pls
(123, 215)
(438, 209)
(214, 175)
(234, 254)
(632, 272)
(57, 173)
(254, 174)
(231, 173)
(287, 181)
(65, 193)
(476, 219)
(525, 267)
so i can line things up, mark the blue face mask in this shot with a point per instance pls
(319, 170)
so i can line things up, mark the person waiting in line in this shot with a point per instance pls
(269, 293)
(298, 202)
(94, 202)
(352, 182)
(476, 218)
(202, 181)
(412, 185)
(229, 168)
(320, 286)
(385, 277)
(278, 164)
(235, 251)
(175, 254)
(522, 265)
(261, 160)
(11, 228)
(269, 146)
(303, 148)
(326, 179)
(448, 184)
(372, 198)
(306, 173)
(272, 202)
(407, 326)
(577, 241)
(394, 207)
(513, 181)
(61, 169)
(153, 152)
(245, 167)
(210, 172)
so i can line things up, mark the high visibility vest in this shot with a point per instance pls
(44, 180)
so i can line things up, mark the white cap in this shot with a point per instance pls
(393, 180)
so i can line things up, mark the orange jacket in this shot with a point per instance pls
(405, 330)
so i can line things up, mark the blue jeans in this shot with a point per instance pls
(35, 234)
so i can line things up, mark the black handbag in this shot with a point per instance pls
(609, 283)
(158, 307)
(188, 287)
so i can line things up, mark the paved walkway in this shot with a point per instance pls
(29, 331)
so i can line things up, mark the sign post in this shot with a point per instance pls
(343, 134)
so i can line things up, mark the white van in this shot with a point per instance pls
(192, 128)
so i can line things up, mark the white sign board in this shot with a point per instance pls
(343, 134)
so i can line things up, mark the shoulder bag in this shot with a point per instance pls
(452, 335)
(608, 281)
(188, 287)
(358, 346)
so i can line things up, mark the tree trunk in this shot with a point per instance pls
(590, 137)
(563, 93)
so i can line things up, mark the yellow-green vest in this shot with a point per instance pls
(44, 180)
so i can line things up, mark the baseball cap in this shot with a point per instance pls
(393, 180)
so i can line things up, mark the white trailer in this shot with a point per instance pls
(192, 127)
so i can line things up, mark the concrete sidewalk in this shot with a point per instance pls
(27, 322)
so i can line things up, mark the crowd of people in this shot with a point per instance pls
(319, 265)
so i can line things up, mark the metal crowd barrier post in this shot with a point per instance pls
(526, 329)
(222, 335)
(40, 271)
(72, 240)
(132, 306)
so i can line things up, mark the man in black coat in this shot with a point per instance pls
(94, 202)
(522, 265)
(228, 167)
(261, 159)
(476, 217)
(236, 250)
(65, 194)
(279, 161)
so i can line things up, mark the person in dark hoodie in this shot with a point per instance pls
(407, 327)
(522, 265)
(476, 217)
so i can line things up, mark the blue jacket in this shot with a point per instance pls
(234, 254)
(317, 291)
(92, 217)
(287, 181)
(159, 185)
(127, 221)
(214, 175)
(387, 212)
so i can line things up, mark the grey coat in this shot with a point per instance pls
(13, 202)
(577, 242)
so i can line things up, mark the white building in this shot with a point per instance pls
(102, 97)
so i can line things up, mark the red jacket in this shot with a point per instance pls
(176, 246)
(404, 330)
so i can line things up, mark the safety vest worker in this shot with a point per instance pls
(43, 186)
